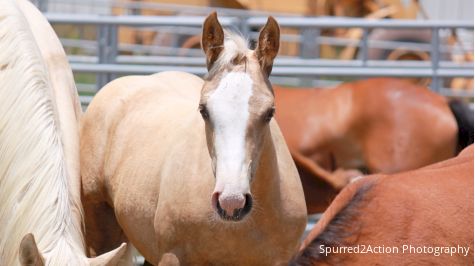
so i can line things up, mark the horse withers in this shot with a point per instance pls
(194, 171)
(424, 216)
(381, 125)
(41, 216)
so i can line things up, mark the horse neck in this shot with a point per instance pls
(39, 175)
(265, 185)
(67, 107)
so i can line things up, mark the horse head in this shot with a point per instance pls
(237, 104)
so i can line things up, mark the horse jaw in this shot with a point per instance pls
(110, 258)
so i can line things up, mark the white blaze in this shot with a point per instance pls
(228, 107)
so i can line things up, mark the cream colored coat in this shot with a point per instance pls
(144, 152)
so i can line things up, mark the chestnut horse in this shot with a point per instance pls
(423, 216)
(194, 171)
(375, 126)
(41, 220)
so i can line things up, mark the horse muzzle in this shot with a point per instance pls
(232, 207)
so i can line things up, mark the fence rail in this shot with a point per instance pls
(108, 60)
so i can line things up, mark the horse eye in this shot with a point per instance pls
(204, 111)
(269, 114)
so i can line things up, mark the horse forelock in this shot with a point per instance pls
(342, 226)
(235, 48)
(34, 187)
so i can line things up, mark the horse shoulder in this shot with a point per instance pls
(372, 211)
(97, 124)
(406, 202)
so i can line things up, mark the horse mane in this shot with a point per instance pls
(35, 194)
(235, 47)
(342, 225)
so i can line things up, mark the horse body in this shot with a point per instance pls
(158, 148)
(39, 146)
(436, 210)
(372, 125)
(152, 152)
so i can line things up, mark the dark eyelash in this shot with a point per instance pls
(269, 114)
(203, 111)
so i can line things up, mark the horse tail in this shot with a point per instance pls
(464, 117)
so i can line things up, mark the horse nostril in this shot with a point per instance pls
(226, 206)
(215, 201)
(247, 206)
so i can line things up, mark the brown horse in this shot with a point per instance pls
(378, 125)
(423, 216)
(191, 171)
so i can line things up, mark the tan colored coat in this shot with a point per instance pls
(144, 152)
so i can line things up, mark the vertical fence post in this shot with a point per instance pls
(308, 49)
(435, 57)
(364, 46)
(308, 43)
(42, 5)
(318, 33)
(243, 27)
(113, 41)
(107, 51)
(101, 78)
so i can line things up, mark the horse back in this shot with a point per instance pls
(431, 206)
(391, 116)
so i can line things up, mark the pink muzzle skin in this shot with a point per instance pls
(231, 202)
(231, 207)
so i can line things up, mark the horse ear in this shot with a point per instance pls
(268, 45)
(212, 39)
(110, 258)
(29, 253)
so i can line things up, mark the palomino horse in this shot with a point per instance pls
(195, 172)
(380, 125)
(40, 208)
(423, 216)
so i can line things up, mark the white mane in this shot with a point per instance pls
(235, 45)
(35, 194)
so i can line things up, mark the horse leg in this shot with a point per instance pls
(103, 233)
(337, 179)
(348, 175)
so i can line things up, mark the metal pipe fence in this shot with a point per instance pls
(108, 60)
(366, 25)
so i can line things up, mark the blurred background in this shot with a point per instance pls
(323, 42)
